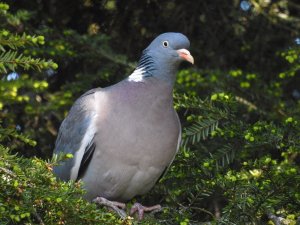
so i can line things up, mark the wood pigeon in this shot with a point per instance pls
(123, 137)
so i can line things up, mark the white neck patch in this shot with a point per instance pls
(137, 75)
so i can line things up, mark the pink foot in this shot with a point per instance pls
(118, 207)
(140, 209)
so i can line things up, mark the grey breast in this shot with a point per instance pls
(136, 140)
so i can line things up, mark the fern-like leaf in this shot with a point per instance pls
(199, 131)
(224, 156)
(11, 60)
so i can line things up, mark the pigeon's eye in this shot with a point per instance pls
(165, 44)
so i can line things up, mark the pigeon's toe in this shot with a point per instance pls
(140, 209)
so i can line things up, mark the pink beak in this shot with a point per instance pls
(186, 55)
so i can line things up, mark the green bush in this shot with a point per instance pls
(240, 113)
(30, 194)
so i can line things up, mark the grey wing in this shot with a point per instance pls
(76, 136)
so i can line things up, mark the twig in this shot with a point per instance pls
(203, 210)
(217, 209)
(7, 171)
(246, 102)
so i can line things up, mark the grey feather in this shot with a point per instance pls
(71, 133)
(125, 136)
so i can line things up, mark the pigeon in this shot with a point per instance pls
(124, 137)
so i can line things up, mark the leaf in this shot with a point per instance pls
(199, 131)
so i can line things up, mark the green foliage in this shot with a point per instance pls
(9, 43)
(7, 134)
(239, 159)
(12, 60)
(32, 195)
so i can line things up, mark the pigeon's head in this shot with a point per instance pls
(162, 57)
(170, 48)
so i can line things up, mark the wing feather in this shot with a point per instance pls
(76, 136)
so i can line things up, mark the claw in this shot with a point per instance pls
(140, 209)
(118, 207)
